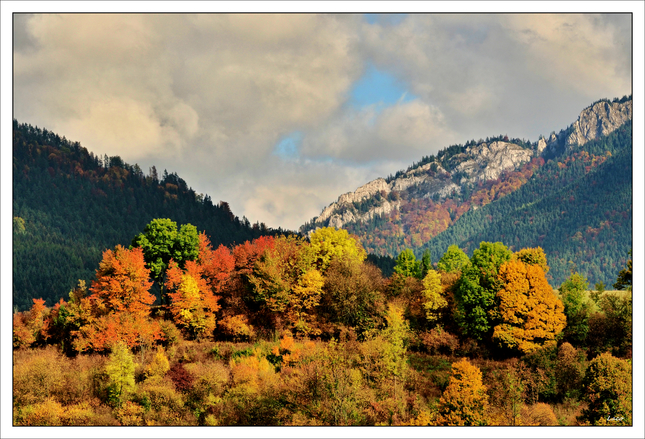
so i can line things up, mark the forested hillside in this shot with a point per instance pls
(70, 205)
(570, 194)
(577, 207)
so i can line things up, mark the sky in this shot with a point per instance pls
(280, 114)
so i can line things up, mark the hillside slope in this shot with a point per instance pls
(69, 206)
(414, 208)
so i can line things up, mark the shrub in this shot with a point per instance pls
(538, 414)
(159, 365)
(608, 391)
(120, 373)
(570, 370)
(180, 377)
(439, 341)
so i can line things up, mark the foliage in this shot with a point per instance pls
(438, 340)
(353, 296)
(464, 402)
(119, 308)
(454, 259)
(570, 371)
(432, 291)
(611, 329)
(328, 243)
(120, 373)
(159, 366)
(407, 264)
(122, 282)
(507, 396)
(286, 283)
(426, 263)
(608, 391)
(31, 326)
(624, 280)
(529, 313)
(161, 242)
(478, 286)
(192, 303)
(576, 307)
(532, 256)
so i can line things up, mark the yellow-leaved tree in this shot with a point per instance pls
(530, 315)
(287, 284)
(434, 301)
(192, 302)
(464, 402)
(328, 243)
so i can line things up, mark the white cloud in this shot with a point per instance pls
(401, 131)
(209, 96)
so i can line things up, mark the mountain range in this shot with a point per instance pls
(570, 193)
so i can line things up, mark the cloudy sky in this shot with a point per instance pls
(280, 114)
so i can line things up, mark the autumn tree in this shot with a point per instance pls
(434, 302)
(161, 242)
(464, 402)
(352, 296)
(216, 265)
(119, 307)
(31, 326)
(327, 244)
(532, 256)
(478, 287)
(528, 312)
(192, 303)
(608, 391)
(287, 284)
(120, 373)
(454, 259)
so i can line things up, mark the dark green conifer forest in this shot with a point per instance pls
(69, 205)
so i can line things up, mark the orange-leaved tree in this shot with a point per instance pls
(31, 326)
(192, 303)
(464, 402)
(119, 307)
(217, 265)
(529, 314)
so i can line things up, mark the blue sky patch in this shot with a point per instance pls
(378, 87)
(287, 147)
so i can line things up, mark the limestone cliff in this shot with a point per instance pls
(447, 175)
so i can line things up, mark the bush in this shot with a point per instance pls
(538, 414)
(570, 370)
(608, 391)
(439, 341)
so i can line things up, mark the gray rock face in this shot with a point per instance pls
(598, 120)
(478, 163)
(488, 161)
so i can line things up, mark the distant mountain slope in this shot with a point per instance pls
(418, 208)
(69, 206)
(578, 211)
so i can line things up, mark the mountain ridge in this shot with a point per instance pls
(438, 191)
(600, 118)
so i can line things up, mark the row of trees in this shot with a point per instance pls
(495, 305)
